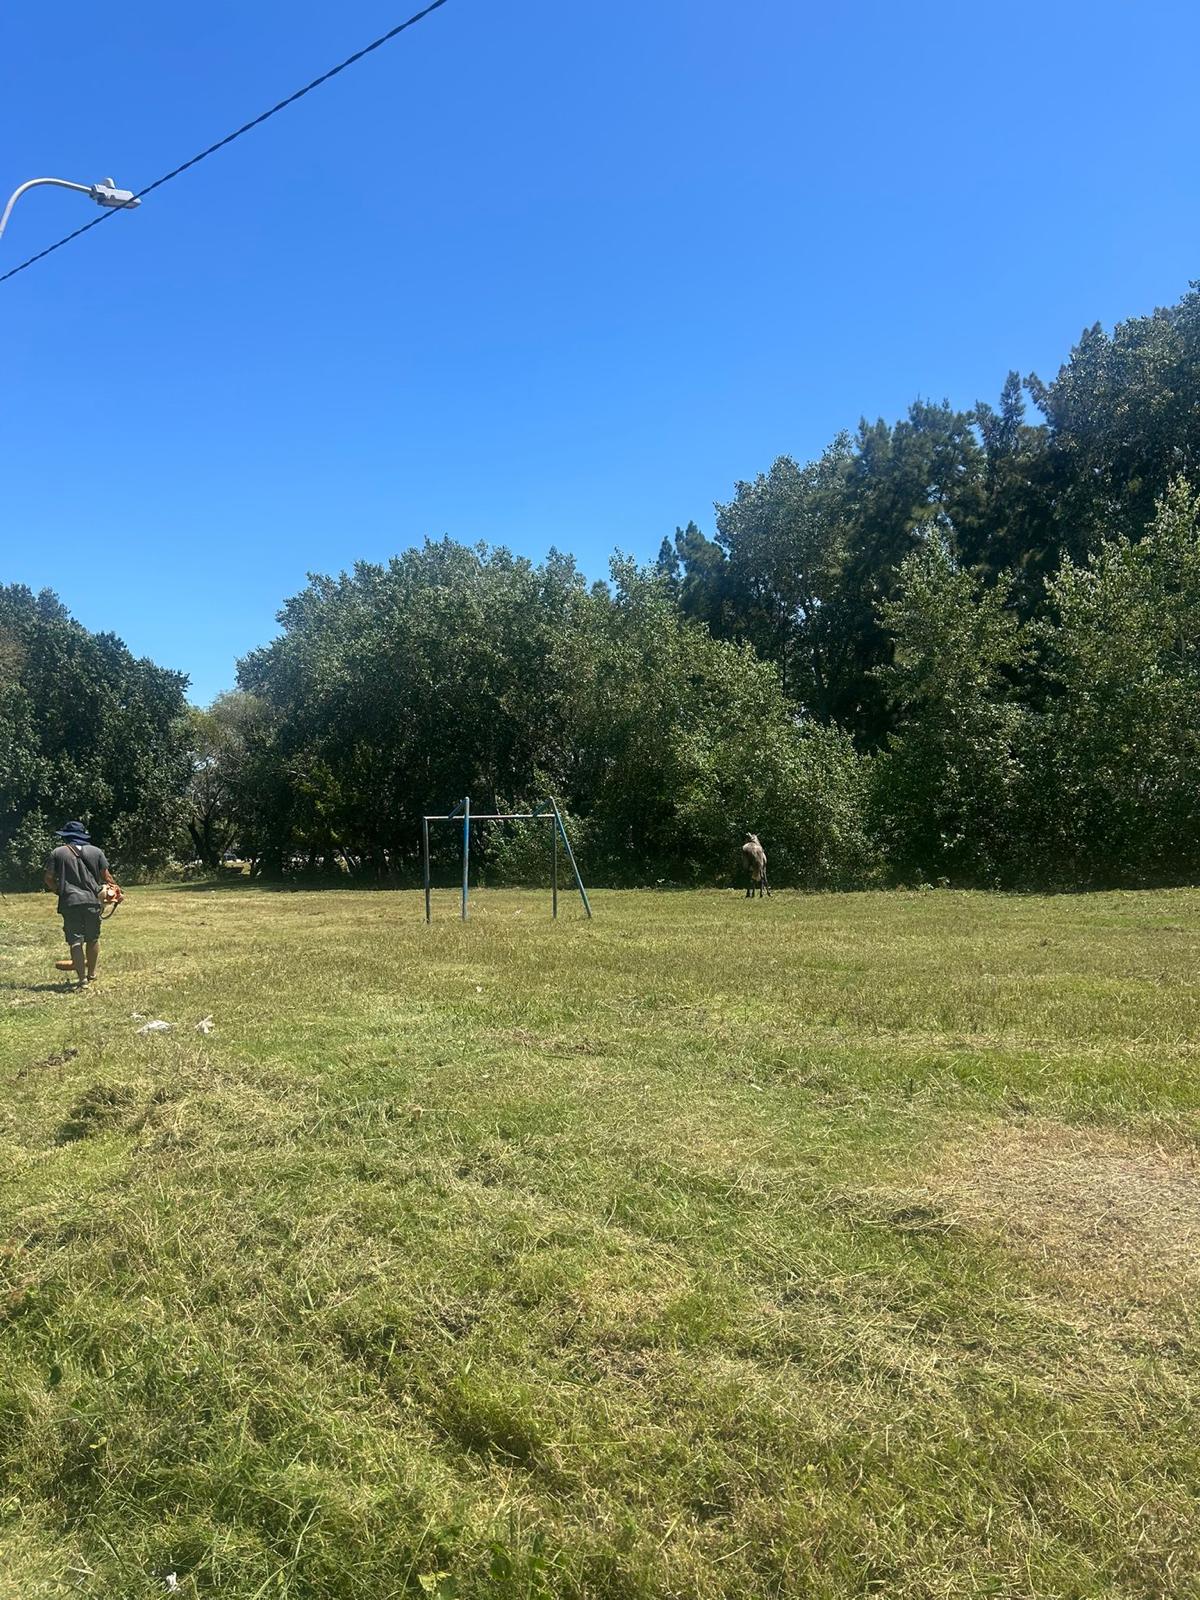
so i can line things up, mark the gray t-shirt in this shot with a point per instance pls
(77, 875)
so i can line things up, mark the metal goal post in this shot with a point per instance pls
(546, 812)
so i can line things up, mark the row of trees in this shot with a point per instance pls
(395, 690)
(805, 558)
(963, 647)
(1061, 749)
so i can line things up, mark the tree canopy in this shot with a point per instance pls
(960, 646)
(87, 733)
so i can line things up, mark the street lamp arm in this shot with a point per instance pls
(103, 193)
(62, 183)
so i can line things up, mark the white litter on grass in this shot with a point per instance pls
(205, 1025)
(157, 1027)
(172, 1583)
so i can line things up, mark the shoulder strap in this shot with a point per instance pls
(93, 884)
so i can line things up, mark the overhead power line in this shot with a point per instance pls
(256, 122)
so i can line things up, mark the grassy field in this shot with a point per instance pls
(826, 1246)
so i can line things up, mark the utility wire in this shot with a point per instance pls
(358, 55)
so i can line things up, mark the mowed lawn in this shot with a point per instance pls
(830, 1246)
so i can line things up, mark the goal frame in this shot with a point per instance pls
(546, 811)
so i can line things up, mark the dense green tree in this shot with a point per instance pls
(1014, 531)
(1120, 739)
(786, 542)
(221, 795)
(394, 690)
(1123, 422)
(952, 786)
(680, 743)
(928, 465)
(668, 568)
(805, 555)
(86, 731)
(696, 571)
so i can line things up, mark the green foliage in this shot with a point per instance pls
(812, 552)
(950, 788)
(456, 671)
(1122, 422)
(225, 743)
(393, 690)
(518, 853)
(1064, 750)
(704, 590)
(681, 743)
(85, 732)
(787, 545)
(959, 645)
(1120, 742)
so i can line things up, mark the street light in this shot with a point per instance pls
(105, 193)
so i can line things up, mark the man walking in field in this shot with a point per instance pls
(75, 872)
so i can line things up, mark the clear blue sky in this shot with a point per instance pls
(540, 272)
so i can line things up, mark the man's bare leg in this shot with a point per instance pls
(93, 956)
(77, 959)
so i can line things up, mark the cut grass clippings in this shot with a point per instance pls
(826, 1246)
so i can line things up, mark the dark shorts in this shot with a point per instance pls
(81, 924)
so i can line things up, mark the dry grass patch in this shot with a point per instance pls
(1113, 1218)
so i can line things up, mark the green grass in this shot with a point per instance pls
(826, 1246)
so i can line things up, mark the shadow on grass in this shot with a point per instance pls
(276, 885)
(448, 885)
(39, 988)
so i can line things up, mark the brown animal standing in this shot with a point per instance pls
(755, 858)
